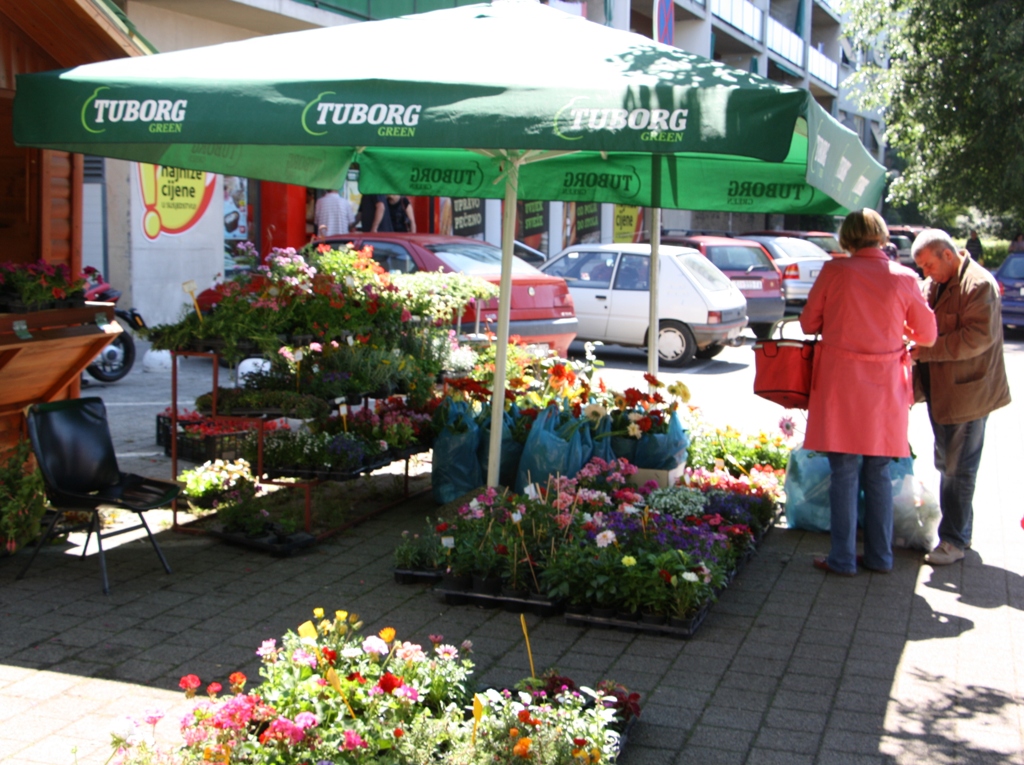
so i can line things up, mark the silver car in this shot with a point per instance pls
(799, 262)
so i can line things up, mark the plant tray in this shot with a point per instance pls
(417, 576)
(308, 474)
(197, 448)
(686, 630)
(514, 605)
(269, 543)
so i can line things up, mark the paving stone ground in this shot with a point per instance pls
(791, 666)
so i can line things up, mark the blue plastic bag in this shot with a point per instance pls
(553, 448)
(663, 451)
(456, 469)
(808, 477)
(602, 441)
(511, 450)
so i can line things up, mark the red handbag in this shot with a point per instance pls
(783, 371)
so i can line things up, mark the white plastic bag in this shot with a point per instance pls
(916, 515)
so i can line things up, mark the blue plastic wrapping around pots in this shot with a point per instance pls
(456, 469)
(581, 446)
(625, 447)
(602, 441)
(663, 451)
(511, 450)
(545, 452)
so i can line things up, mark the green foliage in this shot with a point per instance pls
(738, 452)
(438, 295)
(951, 96)
(22, 498)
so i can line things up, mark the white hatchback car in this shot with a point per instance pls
(700, 309)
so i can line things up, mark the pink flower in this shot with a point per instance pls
(353, 741)
(447, 651)
(374, 645)
(303, 657)
(152, 716)
(407, 692)
(283, 350)
(410, 652)
(267, 649)
(305, 720)
(284, 730)
(435, 639)
(316, 347)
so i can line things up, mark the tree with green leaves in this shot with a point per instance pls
(952, 97)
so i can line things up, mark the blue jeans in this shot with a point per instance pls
(957, 456)
(848, 478)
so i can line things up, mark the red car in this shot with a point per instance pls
(751, 269)
(542, 311)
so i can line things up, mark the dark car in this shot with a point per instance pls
(750, 268)
(826, 241)
(542, 311)
(1011, 289)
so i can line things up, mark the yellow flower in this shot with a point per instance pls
(628, 560)
(318, 613)
(340, 616)
(680, 391)
(387, 634)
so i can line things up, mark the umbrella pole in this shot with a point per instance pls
(508, 235)
(652, 318)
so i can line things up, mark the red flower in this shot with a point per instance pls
(399, 732)
(652, 380)
(189, 683)
(213, 689)
(666, 577)
(645, 423)
(58, 293)
(329, 654)
(237, 680)
(579, 741)
(441, 528)
(524, 716)
(501, 549)
(389, 682)
(355, 677)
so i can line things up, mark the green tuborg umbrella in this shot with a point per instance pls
(507, 100)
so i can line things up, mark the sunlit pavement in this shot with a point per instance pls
(921, 666)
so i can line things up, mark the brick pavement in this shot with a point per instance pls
(791, 666)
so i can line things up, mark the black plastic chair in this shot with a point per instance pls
(71, 441)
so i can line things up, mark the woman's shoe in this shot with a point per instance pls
(822, 565)
(860, 562)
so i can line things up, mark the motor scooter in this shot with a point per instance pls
(116, 359)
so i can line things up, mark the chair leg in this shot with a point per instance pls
(88, 535)
(156, 547)
(39, 545)
(103, 559)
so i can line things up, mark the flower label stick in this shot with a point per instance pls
(529, 652)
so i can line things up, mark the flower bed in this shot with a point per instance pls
(609, 552)
(331, 696)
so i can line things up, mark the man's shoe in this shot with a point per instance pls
(944, 554)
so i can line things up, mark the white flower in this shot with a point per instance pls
(689, 576)
(635, 416)
(633, 431)
(531, 491)
(629, 509)
(516, 517)
(605, 538)
(594, 411)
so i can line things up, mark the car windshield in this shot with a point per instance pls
(1013, 268)
(827, 243)
(476, 258)
(701, 269)
(800, 249)
(738, 257)
(901, 242)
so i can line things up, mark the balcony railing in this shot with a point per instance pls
(741, 14)
(787, 44)
(822, 67)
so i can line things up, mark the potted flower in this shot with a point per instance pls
(22, 498)
(207, 485)
(39, 286)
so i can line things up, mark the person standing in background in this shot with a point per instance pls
(401, 213)
(962, 378)
(333, 215)
(974, 247)
(374, 214)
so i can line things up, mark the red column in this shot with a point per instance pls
(282, 215)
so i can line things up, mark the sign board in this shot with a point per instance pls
(174, 199)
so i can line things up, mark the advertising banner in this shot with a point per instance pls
(629, 221)
(532, 218)
(467, 216)
(174, 200)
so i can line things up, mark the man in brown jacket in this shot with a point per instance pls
(962, 377)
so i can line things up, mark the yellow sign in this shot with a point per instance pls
(628, 223)
(174, 199)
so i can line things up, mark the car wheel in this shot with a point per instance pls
(676, 345)
(710, 352)
(762, 331)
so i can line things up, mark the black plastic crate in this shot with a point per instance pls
(199, 448)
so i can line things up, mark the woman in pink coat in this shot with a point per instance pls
(866, 309)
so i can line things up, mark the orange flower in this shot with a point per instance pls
(513, 732)
(522, 747)
(387, 634)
